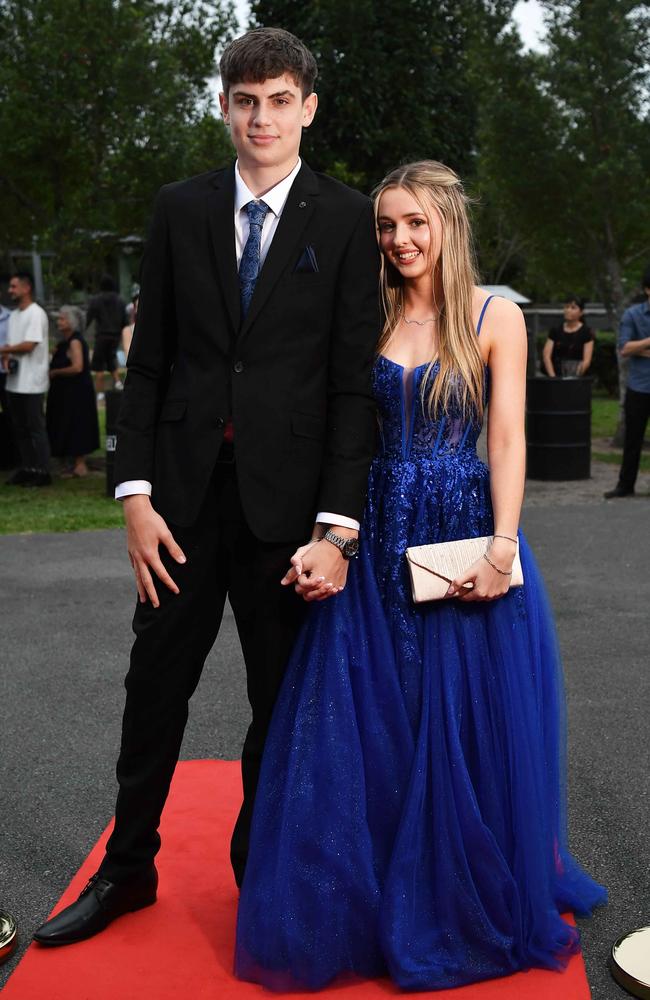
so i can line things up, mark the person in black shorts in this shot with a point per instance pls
(108, 312)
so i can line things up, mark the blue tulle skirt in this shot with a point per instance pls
(410, 815)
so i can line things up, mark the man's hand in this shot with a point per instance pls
(146, 531)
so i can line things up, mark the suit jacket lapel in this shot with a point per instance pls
(221, 218)
(296, 214)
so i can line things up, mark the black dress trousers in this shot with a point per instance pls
(172, 642)
(637, 413)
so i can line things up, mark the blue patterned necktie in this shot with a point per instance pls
(249, 266)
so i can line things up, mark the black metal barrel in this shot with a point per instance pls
(113, 401)
(558, 428)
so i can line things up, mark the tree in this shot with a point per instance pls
(565, 148)
(392, 82)
(598, 68)
(101, 101)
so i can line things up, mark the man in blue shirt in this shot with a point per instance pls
(634, 344)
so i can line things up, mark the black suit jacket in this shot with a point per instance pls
(294, 376)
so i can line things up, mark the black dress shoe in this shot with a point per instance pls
(618, 491)
(98, 905)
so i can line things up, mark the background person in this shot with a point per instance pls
(7, 448)
(108, 312)
(570, 346)
(71, 413)
(27, 343)
(634, 344)
(4, 332)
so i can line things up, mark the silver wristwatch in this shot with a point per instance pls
(349, 547)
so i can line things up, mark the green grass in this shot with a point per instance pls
(604, 417)
(614, 458)
(604, 420)
(67, 505)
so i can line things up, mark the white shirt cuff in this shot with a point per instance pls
(338, 519)
(131, 487)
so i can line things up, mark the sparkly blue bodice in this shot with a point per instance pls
(407, 431)
(426, 484)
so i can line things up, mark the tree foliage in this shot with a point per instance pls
(101, 101)
(393, 82)
(564, 169)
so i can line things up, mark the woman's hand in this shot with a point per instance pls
(318, 571)
(487, 583)
(296, 561)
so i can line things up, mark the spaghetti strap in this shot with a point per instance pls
(480, 319)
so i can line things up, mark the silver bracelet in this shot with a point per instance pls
(503, 572)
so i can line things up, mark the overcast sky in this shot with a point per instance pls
(527, 13)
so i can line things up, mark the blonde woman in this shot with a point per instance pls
(410, 814)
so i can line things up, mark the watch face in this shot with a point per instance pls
(351, 548)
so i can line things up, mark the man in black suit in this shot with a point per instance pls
(247, 430)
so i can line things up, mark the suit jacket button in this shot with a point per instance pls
(238, 367)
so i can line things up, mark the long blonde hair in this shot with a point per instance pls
(436, 188)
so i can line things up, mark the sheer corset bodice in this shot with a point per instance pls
(407, 431)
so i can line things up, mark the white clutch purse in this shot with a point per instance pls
(433, 567)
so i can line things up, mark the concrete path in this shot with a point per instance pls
(66, 602)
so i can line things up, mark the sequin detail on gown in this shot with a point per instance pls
(410, 815)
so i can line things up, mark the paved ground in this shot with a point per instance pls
(65, 610)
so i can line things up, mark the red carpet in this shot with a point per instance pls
(181, 948)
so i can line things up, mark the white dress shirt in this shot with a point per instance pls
(276, 199)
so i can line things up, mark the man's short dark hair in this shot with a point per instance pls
(264, 54)
(25, 276)
(645, 278)
(107, 284)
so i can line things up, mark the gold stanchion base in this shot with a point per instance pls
(8, 936)
(630, 962)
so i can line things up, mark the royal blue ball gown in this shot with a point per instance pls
(410, 816)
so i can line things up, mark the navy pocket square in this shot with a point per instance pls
(307, 264)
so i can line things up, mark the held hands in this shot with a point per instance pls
(145, 532)
(487, 583)
(318, 571)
